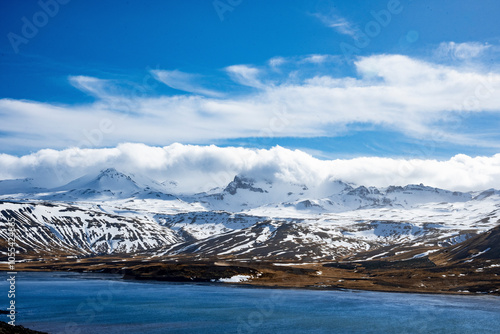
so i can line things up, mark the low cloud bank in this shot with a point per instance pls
(200, 168)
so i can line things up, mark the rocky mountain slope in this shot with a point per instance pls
(48, 228)
(114, 213)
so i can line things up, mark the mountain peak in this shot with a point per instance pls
(242, 182)
(112, 173)
(108, 181)
(364, 191)
(109, 170)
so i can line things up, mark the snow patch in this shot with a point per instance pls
(236, 279)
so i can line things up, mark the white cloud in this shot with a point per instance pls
(338, 23)
(461, 51)
(277, 61)
(299, 61)
(316, 59)
(417, 98)
(245, 75)
(199, 168)
(183, 81)
(93, 86)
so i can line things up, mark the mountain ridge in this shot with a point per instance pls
(255, 218)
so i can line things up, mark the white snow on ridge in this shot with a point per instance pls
(71, 228)
(114, 212)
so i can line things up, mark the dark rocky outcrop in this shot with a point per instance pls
(5, 328)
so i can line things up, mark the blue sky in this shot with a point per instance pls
(336, 79)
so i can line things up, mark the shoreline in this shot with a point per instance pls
(264, 287)
(450, 280)
(212, 305)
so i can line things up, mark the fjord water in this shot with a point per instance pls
(90, 303)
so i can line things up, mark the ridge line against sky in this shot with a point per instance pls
(385, 85)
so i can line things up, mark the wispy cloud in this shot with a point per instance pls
(183, 81)
(417, 98)
(299, 61)
(461, 51)
(318, 58)
(93, 86)
(245, 75)
(338, 23)
(277, 61)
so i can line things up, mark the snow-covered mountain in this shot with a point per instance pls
(19, 186)
(252, 218)
(109, 183)
(272, 198)
(60, 228)
(243, 194)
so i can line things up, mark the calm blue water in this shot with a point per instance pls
(88, 303)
